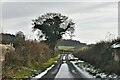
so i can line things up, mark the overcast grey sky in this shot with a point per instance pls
(93, 20)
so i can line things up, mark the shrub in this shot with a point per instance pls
(100, 55)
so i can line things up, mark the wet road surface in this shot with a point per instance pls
(64, 70)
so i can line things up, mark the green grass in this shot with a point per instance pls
(65, 47)
(23, 72)
(49, 63)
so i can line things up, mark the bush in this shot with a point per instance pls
(100, 55)
(29, 54)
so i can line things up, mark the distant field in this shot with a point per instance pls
(65, 47)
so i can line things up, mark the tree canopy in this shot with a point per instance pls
(20, 34)
(52, 26)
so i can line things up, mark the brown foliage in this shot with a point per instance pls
(28, 54)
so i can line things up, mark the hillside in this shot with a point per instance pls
(69, 42)
(6, 38)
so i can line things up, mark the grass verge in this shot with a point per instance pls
(27, 72)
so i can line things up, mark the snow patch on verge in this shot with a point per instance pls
(86, 74)
(96, 73)
(43, 73)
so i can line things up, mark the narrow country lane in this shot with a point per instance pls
(64, 70)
